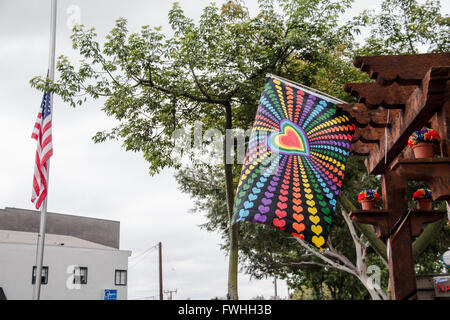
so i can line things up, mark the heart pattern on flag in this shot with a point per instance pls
(290, 140)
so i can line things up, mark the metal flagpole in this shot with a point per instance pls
(41, 235)
(316, 92)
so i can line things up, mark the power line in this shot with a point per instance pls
(141, 256)
(143, 252)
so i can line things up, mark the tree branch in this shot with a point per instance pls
(200, 87)
(149, 83)
(304, 263)
(374, 241)
(330, 262)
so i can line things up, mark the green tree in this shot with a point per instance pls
(210, 71)
(405, 26)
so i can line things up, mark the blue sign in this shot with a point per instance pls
(110, 294)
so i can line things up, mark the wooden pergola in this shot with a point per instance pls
(410, 92)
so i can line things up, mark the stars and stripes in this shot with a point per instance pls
(42, 133)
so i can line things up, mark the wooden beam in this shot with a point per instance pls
(374, 95)
(420, 107)
(376, 118)
(404, 69)
(377, 218)
(434, 171)
(368, 134)
(360, 148)
(420, 217)
(441, 123)
(402, 275)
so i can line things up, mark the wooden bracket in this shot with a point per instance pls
(377, 218)
(434, 171)
(419, 217)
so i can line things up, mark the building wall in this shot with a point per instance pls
(105, 232)
(17, 261)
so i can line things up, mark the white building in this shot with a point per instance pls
(82, 259)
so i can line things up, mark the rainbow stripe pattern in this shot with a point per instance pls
(295, 162)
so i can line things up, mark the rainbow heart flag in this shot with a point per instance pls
(295, 162)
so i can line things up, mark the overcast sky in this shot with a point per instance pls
(103, 180)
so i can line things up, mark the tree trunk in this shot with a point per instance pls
(376, 243)
(234, 229)
(233, 264)
(373, 293)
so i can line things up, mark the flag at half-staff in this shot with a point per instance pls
(294, 166)
(42, 133)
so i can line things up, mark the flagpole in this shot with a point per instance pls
(306, 88)
(41, 235)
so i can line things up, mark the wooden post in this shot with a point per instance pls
(400, 256)
(441, 123)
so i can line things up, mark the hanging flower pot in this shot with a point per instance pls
(423, 198)
(368, 199)
(423, 143)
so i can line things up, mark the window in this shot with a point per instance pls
(44, 275)
(121, 278)
(80, 275)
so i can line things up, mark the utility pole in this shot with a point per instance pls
(161, 297)
(170, 292)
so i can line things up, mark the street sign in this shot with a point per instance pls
(110, 294)
(442, 286)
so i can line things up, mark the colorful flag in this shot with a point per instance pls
(42, 133)
(295, 162)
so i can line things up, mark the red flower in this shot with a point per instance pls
(377, 196)
(422, 193)
(431, 135)
(418, 194)
(361, 197)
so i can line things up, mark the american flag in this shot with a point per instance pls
(42, 133)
